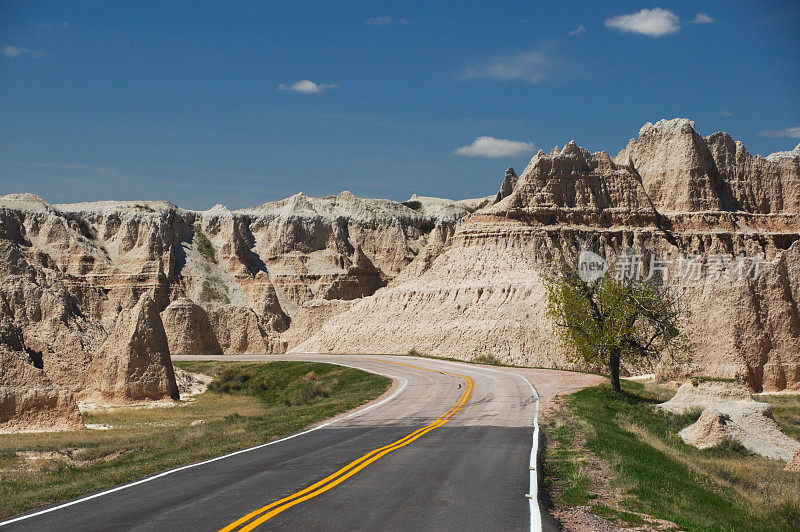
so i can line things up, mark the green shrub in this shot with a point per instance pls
(204, 245)
(480, 206)
(490, 360)
(414, 205)
(214, 290)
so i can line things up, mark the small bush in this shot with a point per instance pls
(84, 228)
(480, 206)
(414, 353)
(414, 205)
(230, 380)
(214, 290)
(307, 394)
(489, 360)
(204, 245)
(310, 376)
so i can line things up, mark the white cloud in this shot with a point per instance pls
(14, 51)
(726, 113)
(702, 18)
(789, 132)
(654, 22)
(492, 147)
(386, 21)
(530, 66)
(306, 87)
(580, 30)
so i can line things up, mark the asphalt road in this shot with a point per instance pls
(448, 448)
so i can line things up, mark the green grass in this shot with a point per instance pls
(250, 403)
(564, 477)
(716, 489)
(786, 413)
(214, 290)
(204, 245)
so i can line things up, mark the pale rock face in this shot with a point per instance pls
(308, 320)
(271, 259)
(188, 329)
(730, 413)
(239, 330)
(37, 306)
(669, 193)
(29, 401)
(676, 167)
(794, 463)
(134, 363)
(509, 182)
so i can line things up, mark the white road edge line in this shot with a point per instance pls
(171, 471)
(536, 514)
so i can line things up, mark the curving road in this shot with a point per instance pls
(448, 448)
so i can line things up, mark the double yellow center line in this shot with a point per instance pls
(265, 513)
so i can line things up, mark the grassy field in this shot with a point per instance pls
(617, 454)
(246, 404)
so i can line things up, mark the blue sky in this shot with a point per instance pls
(199, 103)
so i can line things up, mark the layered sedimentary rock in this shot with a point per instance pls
(458, 279)
(239, 330)
(270, 259)
(37, 309)
(309, 319)
(134, 362)
(29, 401)
(675, 201)
(226, 281)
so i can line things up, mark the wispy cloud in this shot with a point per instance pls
(580, 30)
(386, 21)
(726, 113)
(789, 132)
(530, 66)
(16, 51)
(306, 87)
(654, 22)
(492, 147)
(702, 18)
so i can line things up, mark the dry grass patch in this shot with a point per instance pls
(247, 404)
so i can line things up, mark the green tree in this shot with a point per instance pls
(608, 320)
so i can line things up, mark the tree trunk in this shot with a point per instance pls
(613, 363)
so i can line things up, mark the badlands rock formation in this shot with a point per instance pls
(671, 196)
(729, 413)
(188, 329)
(134, 362)
(453, 278)
(507, 187)
(71, 277)
(29, 401)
